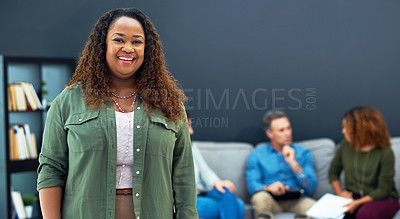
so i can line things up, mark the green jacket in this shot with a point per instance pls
(79, 154)
(372, 172)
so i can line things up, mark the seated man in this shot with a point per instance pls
(280, 175)
(216, 198)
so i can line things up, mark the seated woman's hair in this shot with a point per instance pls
(366, 126)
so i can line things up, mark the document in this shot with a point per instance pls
(329, 206)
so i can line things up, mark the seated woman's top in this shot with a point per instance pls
(366, 173)
(204, 175)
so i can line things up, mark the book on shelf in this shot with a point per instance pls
(20, 100)
(30, 141)
(14, 152)
(22, 142)
(9, 98)
(18, 203)
(22, 96)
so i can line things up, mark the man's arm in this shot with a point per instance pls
(254, 174)
(289, 155)
(303, 168)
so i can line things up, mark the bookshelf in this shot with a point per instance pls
(56, 73)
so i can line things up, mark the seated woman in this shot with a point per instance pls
(367, 160)
(216, 198)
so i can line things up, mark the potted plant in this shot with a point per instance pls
(29, 200)
(45, 102)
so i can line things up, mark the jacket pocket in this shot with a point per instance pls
(84, 132)
(161, 138)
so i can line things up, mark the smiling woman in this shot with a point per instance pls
(125, 49)
(116, 142)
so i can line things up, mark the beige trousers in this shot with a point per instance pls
(264, 203)
(124, 207)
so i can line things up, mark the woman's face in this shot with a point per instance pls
(125, 48)
(345, 131)
(191, 131)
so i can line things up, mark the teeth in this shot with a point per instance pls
(126, 59)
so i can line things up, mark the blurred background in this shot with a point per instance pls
(237, 59)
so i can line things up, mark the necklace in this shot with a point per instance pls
(123, 97)
(119, 107)
(360, 180)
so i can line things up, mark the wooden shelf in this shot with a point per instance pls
(28, 111)
(34, 70)
(22, 165)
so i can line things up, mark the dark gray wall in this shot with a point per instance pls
(236, 59)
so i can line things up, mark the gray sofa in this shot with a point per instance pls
(228, 160)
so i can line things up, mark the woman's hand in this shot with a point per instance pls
(352, 206)
(345, 194)
(221, 184)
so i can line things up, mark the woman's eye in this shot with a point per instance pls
(118, 40)
(136, 42)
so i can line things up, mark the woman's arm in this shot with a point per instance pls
(386, 174)
(50, 202)
(183, 179)
(337, 187)
(335, 169)
(336, 165)
(352, 206)
(53, 163)
(206, 175)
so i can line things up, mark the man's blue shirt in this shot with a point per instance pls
(266, 165)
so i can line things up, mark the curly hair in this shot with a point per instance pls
(366, 126)
(155, 84)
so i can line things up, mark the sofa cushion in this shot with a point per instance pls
(396, 149)
(228, 160)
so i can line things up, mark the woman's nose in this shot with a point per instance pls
(128, 48)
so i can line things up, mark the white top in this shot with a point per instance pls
(204, 175)
(124, 123)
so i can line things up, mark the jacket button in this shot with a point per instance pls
(137, 172)
(138, 126)
(80, 120)
(137, 194)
